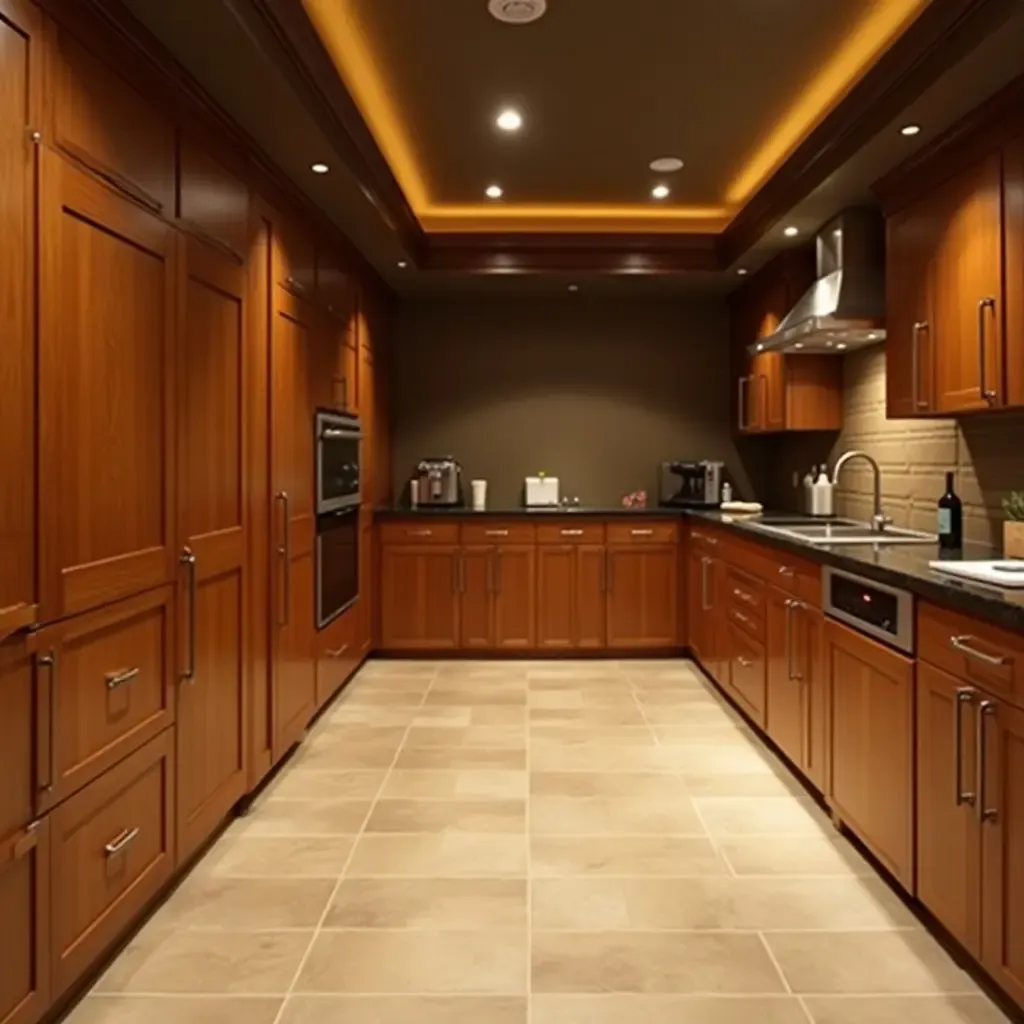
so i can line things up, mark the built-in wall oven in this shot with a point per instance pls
(338, 442)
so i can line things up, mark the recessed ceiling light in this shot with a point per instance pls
(792, 231)
(660, 191)
(910, 129)
(319, 168)
(517, 12)
(841, 344)
(402, 264)
(873, 336)
(799, 344)
(742, 271)
(494, 192)
(509, 120)
(574, 287)
(666, 164)
(760, 348)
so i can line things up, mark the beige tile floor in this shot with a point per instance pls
(533, 843)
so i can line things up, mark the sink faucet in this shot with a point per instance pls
(879, 521)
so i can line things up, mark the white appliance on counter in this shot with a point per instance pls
(1002, 573)
(540, 491)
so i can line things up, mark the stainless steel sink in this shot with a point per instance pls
(842, 531)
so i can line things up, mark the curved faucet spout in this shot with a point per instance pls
(879, 521)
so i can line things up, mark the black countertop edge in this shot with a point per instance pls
(529, 513)
(899, 565)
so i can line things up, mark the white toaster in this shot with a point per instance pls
(540, 491)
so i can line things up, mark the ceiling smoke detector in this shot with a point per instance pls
(517, 12)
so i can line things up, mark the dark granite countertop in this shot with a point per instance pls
(395, 512)
(900, 565)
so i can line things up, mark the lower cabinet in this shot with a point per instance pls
(870, 694)
(419, 597)
(570, 596)
(337, 653)
(112, 848)
(747, 672)
(25, 924)
(642, 581)
(497, 591)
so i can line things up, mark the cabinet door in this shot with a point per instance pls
(591, 607)
(967, 298)
(911, 235)
(948, 847)
(747, 672)
(19, 112)
(25, 920)
(698, 604)
(213, 203)
(477, 571)
(106, 387)
(1001, 807)
(784, 708)
(419, 599)
(212, 523)
(769, 370)
(556, 596)
(1013, 227)
(515, 589)
(642, 582)
(871, 704)
(291, 422)
(809, 643)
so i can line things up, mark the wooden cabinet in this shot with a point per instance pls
(112, 850)
(1013, 254)
(25, 919)
(419, 598)
(870, 695)
(337, 654)
(948, 843)
(212, 490)
(294, 522)
(642, 582)
(20, 99)
(570, 596)
(946, 301)
(515, 589)
(106, 387)
(747, 671)
(104, 687)
(103, 123)
(476, 585)
(699, 605)
(213, 203)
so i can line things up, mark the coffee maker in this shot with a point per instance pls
(439, 482)
(691, 484)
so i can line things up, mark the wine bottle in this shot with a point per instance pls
(951, 518)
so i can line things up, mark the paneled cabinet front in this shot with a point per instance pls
(420, 597)
(106, 387)
(642, 581)
(212, 527)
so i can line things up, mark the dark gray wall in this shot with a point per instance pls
(595, 392)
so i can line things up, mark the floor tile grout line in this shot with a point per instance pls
(802, 1003)
(775, 963)
(348, 860)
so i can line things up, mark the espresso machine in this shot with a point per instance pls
(439, 482)
(691, 484)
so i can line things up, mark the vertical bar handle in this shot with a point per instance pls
(984, 304)
(915, 368)
(284, 551)
(985, 708)
(964, 695)
(705, 601)
(51, 664)
(188, 559)
(741, 416)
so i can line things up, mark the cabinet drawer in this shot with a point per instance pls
(644, 532)
(972, 650)
(797, 577)
(336, 654)
(112, 850)
(573, 532)
(747, 672)
(498, 533)
(745, 593)
(422, 531)
(107, 690)
(742, 618)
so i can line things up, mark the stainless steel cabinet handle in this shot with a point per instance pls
(962, 644)
(610, 571)
(496, 533)
(337, 652)
(743, 596)
(642, 533)
(740, 616)
(964, 695)
(785, 570)
(121, 843)
(705, 601)
(743, 662)
(572, 533)
(284, 552)
(985, 709)
(419, 533)
(118, 679)
(915, 372)
(987, 303)
(498, 572)
(50, 662)
(188, 559)
(789, 640)
(742, 416)
(456, 574)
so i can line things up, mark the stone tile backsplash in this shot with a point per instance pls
(986, 453)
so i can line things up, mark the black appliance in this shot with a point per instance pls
(337, 563)
(692, 484)
(338, 442)
(875, 609)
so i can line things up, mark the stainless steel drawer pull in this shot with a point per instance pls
(741, 617)
(121, 842)
(785, 570)
(964, 695)
(743, 596)
(985, 709)
(117, 679)
(337, 652)
(963, 644)
(642, 533)
(572, 533)
(419, 533)
(744, 662)
(496, 533)
(704, 537)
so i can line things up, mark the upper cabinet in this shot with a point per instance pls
(955, 273)
(213, 203)
(776, 392)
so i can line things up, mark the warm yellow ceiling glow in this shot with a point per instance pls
(884, 22)
(347, 42)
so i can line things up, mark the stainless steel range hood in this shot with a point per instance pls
(845, 308)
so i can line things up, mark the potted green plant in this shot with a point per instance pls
(1013, 528)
